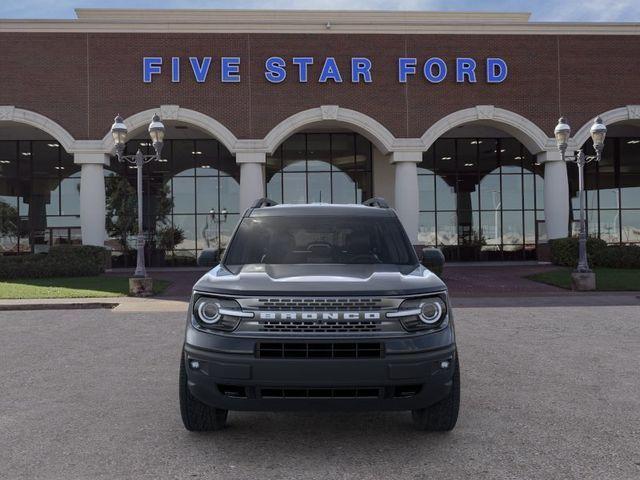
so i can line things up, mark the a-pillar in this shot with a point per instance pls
(556, 194)
(92, 196)
(406, 191)
(251, 177)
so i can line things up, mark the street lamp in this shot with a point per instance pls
(598, 132)
(119, 133)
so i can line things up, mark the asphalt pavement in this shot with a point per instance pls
(547, 392)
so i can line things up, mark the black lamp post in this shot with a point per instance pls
(156, 132)
(598, 132)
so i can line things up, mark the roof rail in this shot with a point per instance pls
(377, 202)
(263, 202)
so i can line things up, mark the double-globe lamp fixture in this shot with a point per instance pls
(598, 132)
(119, 132)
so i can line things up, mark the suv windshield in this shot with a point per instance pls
(329, 239)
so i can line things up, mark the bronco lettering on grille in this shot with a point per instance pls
(319, 315)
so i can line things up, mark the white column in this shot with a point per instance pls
(251, 177)
(406, 191)
(556, 194)
(92, 197)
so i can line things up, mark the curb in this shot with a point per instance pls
(58, 306)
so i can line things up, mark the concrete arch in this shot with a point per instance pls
(382, 138)
(621, 114)
(9, 113)
(528, 133)
(177, 113)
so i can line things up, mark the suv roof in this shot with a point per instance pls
(292, 209)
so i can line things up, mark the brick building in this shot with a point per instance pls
(449, 116)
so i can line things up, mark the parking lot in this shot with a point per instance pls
(546, 393)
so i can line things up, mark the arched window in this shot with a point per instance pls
(194, 190)
(320, 167)
(480, 198)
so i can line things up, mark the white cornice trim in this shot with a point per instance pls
(616, 115)
(177, 113)
(298, 21)
(527, 132)
(377, 133)
(10, 113)
(292, 16)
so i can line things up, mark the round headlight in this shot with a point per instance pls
(208, 311)
(431, 311)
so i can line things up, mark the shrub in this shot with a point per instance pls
(564, 251)
(61, 261)
(618, 256)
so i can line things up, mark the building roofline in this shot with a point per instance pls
(310, 21)
(248, 15)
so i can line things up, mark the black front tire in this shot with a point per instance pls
(441, 416)
(197, 416)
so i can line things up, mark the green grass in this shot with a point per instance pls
(71, 287)
(607, 279)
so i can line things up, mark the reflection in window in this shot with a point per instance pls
(39, 196)
(480, 198)
(320, 167)
(612, 190)
(194, 189)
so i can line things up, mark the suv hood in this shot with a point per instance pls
(325, 279)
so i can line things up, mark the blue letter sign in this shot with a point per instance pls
(200, 70)
(150, 66)
(496, 70)
(275, 69)
(326, 70)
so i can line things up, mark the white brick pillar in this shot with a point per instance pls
(92, 197)
(251, 177)
(556, 194)
(406, 191)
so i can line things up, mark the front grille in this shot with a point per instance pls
(320, 304)
(320, 350)
(341, 392)
(320, 326)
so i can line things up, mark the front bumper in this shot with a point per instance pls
(408, 375)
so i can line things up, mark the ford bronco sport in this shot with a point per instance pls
(321, 307)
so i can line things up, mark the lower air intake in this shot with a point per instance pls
(320, 350)
(368, 392)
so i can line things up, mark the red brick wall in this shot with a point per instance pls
(82, 80)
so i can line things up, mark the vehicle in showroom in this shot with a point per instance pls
(319, 307)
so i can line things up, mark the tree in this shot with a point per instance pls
(122, 208)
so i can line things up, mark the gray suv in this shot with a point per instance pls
(319, 307)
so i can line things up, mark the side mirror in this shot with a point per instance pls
(433, 259)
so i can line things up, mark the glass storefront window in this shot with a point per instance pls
(194, 188)
(612, 191)
(483, 204)
(320, 167)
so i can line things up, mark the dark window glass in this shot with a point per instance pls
(319, 152)
(8, 159)
(320, 240)
(183, 155)
(467, 154)
(294, 153)
(320, 167)
(487, 155)
(343, 151)
(427, 164)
